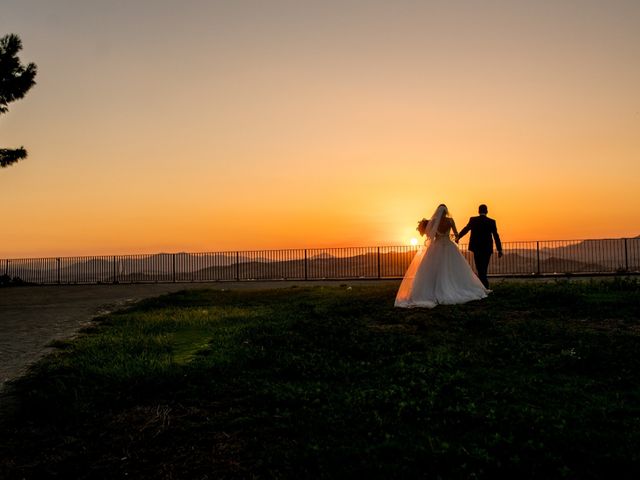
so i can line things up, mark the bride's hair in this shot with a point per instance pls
(446, 210)
(434, 222)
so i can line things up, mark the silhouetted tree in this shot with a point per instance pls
(15, 81)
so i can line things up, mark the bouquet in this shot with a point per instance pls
(422, 226)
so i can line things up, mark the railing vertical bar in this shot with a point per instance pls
(174, 267)
(238, 266)
(626, 256)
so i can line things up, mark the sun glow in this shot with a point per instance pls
(413, 241)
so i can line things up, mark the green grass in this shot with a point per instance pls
(540, 380)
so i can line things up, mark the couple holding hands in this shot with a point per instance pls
(439, 273)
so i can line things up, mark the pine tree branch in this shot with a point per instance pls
(9, 157)
(15, 79)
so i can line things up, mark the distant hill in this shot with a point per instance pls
(322, 256)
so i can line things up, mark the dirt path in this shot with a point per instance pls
(32, 317)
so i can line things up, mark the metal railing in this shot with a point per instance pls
(566, 257)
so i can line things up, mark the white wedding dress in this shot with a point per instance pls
(439, 275)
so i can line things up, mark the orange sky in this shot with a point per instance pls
(203, 126)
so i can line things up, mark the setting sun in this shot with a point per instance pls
(413, 241)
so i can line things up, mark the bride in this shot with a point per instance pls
(439, 274)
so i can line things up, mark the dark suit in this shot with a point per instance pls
(483, 233)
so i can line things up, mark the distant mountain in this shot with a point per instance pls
(322, 256)
(159, 263)
(564, 265)
(608, 254)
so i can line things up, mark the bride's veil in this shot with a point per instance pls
(434, 221)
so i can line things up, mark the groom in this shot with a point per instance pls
(482, 229)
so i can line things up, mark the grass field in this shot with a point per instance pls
(540, 380)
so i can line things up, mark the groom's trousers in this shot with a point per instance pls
(481, 260)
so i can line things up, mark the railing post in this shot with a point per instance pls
(6, 268)
(378, 262)
(237, 266)
(114, 269)
(174, 267)
(538, 256)
(626, 256)
(58, 260)
(306, 271)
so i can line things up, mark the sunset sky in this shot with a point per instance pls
(191, 125)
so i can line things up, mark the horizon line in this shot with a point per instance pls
(301, 249)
